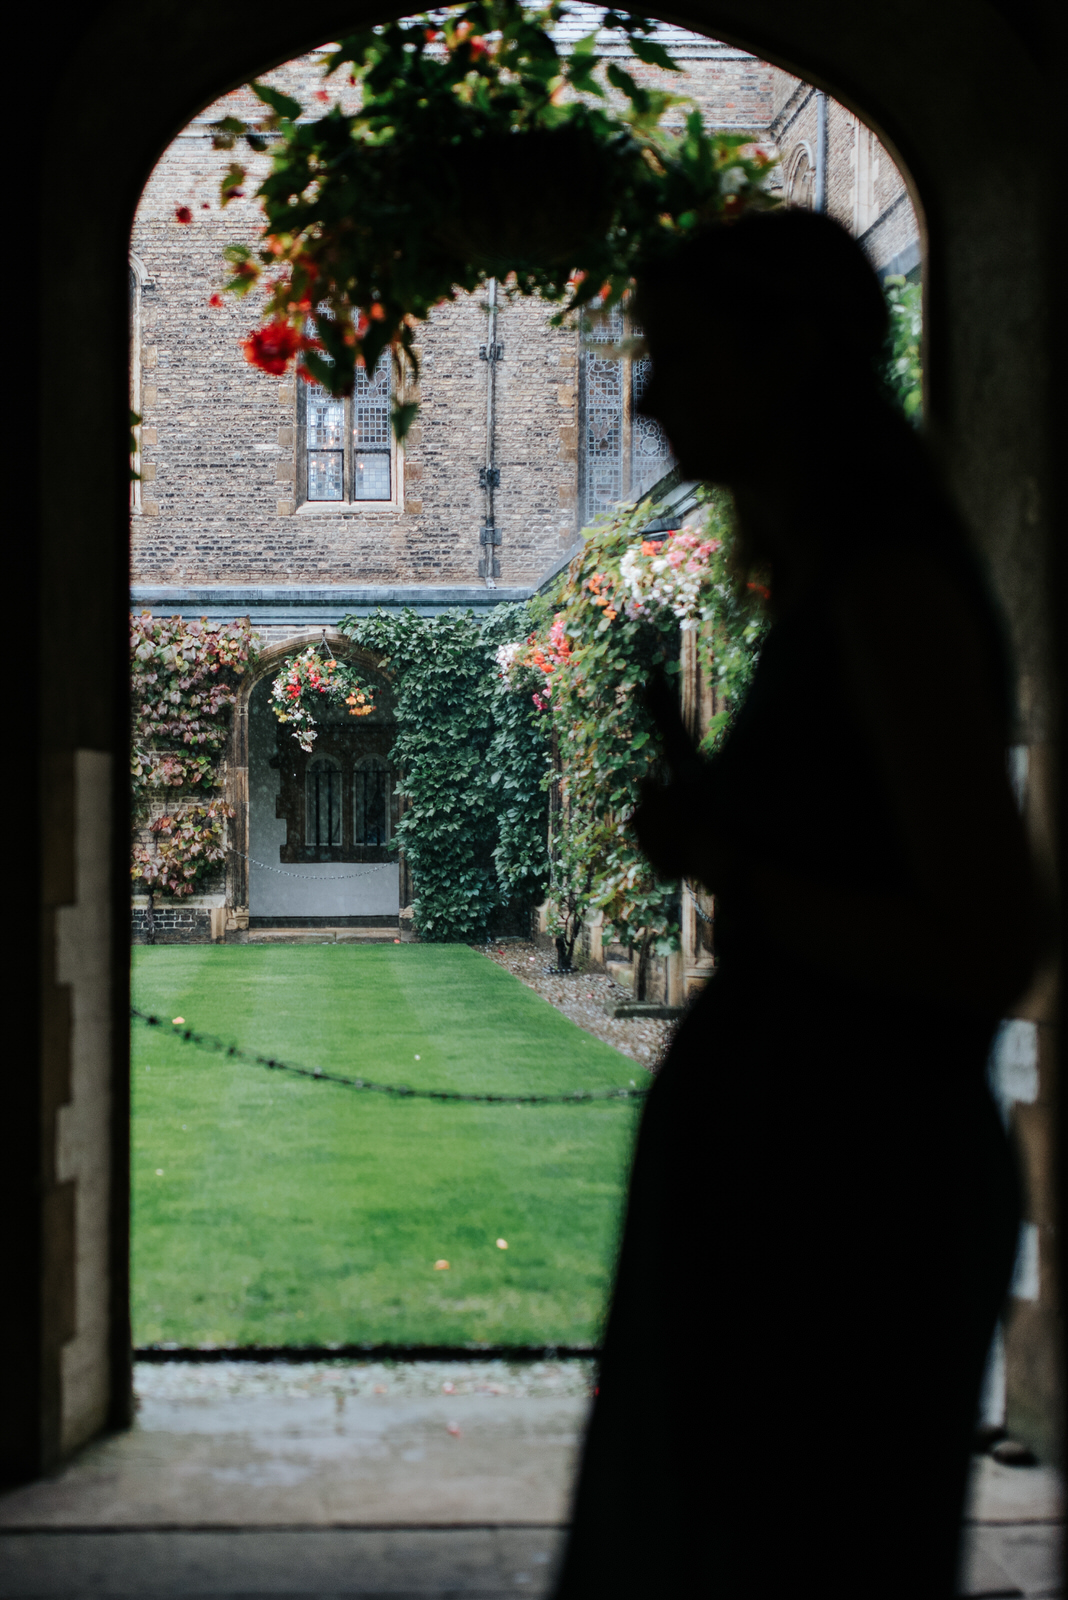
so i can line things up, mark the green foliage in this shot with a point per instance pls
(183, 683)
(472, 762)
(274, 1210)
(617, 620)
(903, 369)
(480, 150)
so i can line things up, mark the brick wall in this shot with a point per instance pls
(865, 189)
(174, 925)
(218, 500)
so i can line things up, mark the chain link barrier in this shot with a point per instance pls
(326, 877)
(402, 1091)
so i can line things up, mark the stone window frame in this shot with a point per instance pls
(346, 507)
(295, 766)
(138, 280)
(799, 187)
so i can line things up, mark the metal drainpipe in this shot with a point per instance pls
(819, 202)
(489, 566)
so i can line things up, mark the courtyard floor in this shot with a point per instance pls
(423, 1480)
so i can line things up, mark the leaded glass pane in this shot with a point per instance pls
(371, 477)
(322, 800)
(604, 419)
(371, 786)
(371, 438)
(326, 472)
(326, 420)
(326, 444)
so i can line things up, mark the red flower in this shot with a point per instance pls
(204, 206)
(182, 214)
(215, 300)
(321, 94)
(272, 348)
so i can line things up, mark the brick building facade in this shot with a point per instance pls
(255, 503)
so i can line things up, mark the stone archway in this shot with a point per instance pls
(240, 892)
(997, 327)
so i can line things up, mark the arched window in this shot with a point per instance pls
(371, 788)
(322, 804)
(801, 177)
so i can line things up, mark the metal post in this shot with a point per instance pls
(819, 199)
(488, 566)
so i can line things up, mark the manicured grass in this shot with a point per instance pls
(275, 1210)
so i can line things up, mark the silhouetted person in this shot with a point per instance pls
(823, 1210)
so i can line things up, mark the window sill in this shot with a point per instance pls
(346, 508)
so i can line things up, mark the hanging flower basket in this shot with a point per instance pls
(529, 203)
(306, 682)
(481, 150)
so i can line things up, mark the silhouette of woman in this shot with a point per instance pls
(823, 1209)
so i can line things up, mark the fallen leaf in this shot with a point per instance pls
(381, 1388)
(177, 1021)
(454, 1429)
(441, 1266)
(502, 1244)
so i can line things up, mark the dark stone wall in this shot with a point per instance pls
(174, 925)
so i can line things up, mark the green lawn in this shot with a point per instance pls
(273, 1210)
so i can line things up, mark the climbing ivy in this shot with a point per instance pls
(903, 370)
(613, 621)
(472, 760)
(183, 684)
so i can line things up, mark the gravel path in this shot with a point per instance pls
(192, 1380)
(582, 998)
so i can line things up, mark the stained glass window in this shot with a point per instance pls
(603, 420)
(650, 453)
(623, 454)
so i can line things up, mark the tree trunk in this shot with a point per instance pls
(150, 919)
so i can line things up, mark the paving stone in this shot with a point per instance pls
(482, 1562)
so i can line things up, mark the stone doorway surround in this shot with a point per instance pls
(997, 333)
(237, 767)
